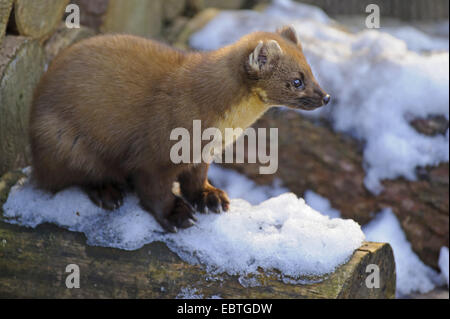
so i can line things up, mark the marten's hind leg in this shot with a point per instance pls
(154, 190)
(63, 157)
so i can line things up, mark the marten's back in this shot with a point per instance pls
(99, 73)
(96, 96)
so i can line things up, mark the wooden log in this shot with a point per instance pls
(38, 19)
(172, 32)
(21, 66)
(173, 8)
(63, 38)
(138, 17)
(195, 24)
(33, 264)
(5, 11)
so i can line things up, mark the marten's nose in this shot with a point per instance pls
(326, 99)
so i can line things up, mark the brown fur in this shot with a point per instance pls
(103, 113)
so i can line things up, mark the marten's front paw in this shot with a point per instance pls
(212, 198)
(181, 216)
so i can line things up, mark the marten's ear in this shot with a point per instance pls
(264, 53)
(289, 32)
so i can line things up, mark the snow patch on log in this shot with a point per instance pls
(282, 233)
(412, 274)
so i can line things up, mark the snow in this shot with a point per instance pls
(239, 186)
(285, 9)
(443, 262)
(321, 204)
(281, 233)
(378, 82)
(189, 293)
(412, 274)
(417, 40)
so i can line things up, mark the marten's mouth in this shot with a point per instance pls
(309, 104)
(308, 107)
(303, 107)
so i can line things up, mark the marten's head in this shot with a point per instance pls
(280, 73)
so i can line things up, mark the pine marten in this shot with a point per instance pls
(103, 112)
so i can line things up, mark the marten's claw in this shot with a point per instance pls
(187, 223)
(212, 200)
(167, 226)
(182, 214)
(109, 197)
(225, 205)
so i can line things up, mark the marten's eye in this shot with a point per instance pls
(297, 83)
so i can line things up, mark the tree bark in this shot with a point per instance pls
(38, 19)
(33, 264)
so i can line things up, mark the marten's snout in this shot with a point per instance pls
(313, 100)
